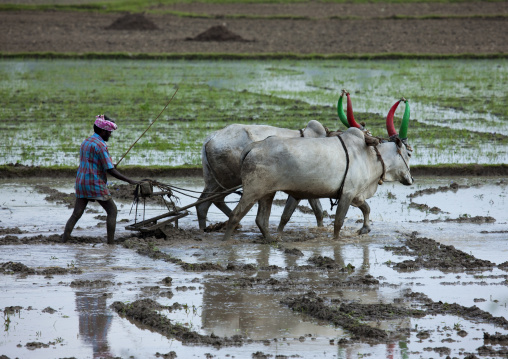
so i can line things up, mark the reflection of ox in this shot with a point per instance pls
(342, 167)
(221, 158)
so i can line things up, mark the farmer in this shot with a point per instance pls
(91, 179)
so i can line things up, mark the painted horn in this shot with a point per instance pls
(350, 117)
(389, 120)
(405, 122)
(340, 111)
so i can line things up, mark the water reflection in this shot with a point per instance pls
(91, 303)
(246, 303)
(94, 322)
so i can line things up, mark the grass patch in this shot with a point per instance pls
(157, 6)
(246, 56)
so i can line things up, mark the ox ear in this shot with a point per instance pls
(398, 142)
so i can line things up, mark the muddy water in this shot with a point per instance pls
(67, 312)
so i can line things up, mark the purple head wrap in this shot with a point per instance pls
(104, 124)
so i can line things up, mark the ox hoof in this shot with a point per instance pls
(364, 230)
(272, 239)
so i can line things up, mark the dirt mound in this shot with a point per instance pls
(146, 311)
(434, 255)
(132, 22)
(217, 33)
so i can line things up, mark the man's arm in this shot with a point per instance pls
(114, 172)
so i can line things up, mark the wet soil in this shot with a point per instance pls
(20, 268)
(303, 28)
(217, 33)
(146, 312)
(352, 316)
(341, 298)
(432, 254)
(133, 22)
(441, 189)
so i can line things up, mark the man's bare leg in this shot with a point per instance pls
(110, 208)
(79, 209)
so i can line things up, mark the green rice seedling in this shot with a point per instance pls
(48, 106)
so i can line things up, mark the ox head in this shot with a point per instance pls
(400, 139)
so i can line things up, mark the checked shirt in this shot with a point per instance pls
(94, 161)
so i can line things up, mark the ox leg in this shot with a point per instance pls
(202, 208)
(289, 209)
(340, 215)
(292, 204)
(364, 207)
(223, 207)
(263, 216)
(315, 204)
(238, 213)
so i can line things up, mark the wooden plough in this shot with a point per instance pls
(155, 223)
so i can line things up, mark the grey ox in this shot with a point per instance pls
(342, 167)
(221, 159)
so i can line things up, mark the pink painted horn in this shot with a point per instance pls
(350, 117)
(389, 119)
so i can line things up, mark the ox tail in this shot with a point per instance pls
(207, 167)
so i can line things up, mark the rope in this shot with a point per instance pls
(125, 154)
(189, 190)
(378, 154)
(195, 197)
(341, 188)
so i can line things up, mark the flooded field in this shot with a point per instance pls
(430, 280)
(458, 107)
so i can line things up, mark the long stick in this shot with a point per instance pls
(125, 154)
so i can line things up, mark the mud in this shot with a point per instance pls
(489, 351)
(201, 297)
(217, 33)
(132, 22)
(349, 315)
(425, 208)
(495, 338)
(145, 311)
(98, 283)
(452, 187)
(465, 219)
(14, 230)
(38, 345)
(53, 195)
(431, 254)
(299, 28)
(20, 268)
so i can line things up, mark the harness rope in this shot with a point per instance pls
(341, 188)
(378, 154)
(381, 179)
(400, 153)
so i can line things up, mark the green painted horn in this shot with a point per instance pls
(405, 122)
(340, 111)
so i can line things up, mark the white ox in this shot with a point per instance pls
(221, 159)
(318, 168)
